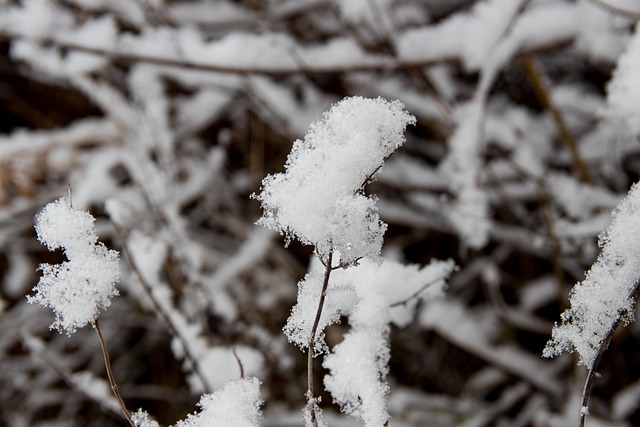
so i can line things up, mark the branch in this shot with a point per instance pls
(542, 92)
(159, 310)
(388, 65)
(417, 293)
(112, 380)
(616, 9)
(311, 400)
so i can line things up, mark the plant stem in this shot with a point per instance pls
(311, 402)
(112, 380)
(542, 92)
(591, 376)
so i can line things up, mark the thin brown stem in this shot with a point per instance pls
(591, 376)
(238, 361)
(311, 400)
(542, 92)
(112, 380)
(417, 293)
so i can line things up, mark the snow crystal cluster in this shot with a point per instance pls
(319, 198)
(237, 404)
(606, 295)
(76, 289)
(358, 366)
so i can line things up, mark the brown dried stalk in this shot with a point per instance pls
(112, 380)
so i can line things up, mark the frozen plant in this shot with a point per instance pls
(77, 289)
(606, 297)
(320, 201)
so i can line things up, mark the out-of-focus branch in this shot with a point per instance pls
(159, 309)
(388, 65)
(617, 9)
(542, 92)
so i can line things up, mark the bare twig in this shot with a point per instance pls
(238, 361)
(112, 380)
(311, 400)
(417, 293)
(542, 92)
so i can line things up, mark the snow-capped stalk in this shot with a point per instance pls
(103, 348)
(605, 298)
(311, 400)
(591, 375)
(112, 380)
(78, 288)
(320, 200)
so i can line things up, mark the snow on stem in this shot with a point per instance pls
(319, 200)
(79, 287)
(607, 296)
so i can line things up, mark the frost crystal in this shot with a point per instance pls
(79, 287)
(319, 198)
(606, 295)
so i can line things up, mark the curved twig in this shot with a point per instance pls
(112, 380)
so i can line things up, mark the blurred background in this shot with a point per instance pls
(165, 116)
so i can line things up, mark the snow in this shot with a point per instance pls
(598, 34)
(318, 199)
(470, 211)
(337, 52)
(237, 404)
(142, 419)
(359, 364)
(208, 13)
(358, 367)
(578, 200)
(79, 287)
(217, 364)
(605, 296)
(97, 388)
(623, 90)
(369, 11)
(472, 332)
(470, 36)
(338, 301)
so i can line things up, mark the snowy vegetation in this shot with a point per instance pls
(444, 180)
